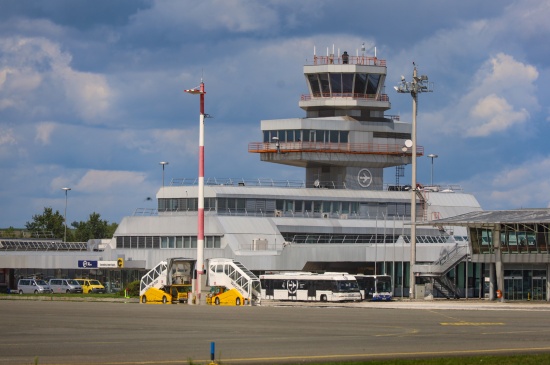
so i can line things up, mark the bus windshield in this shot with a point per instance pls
(383, 284)
(346, 286)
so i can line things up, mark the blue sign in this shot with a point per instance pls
(87, 264)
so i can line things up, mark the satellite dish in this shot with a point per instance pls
(408, 143)
(317, 183)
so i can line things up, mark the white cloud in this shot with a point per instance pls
(7, 136)
(523, 186)
(102, 181)
(495, 115)
(501, 95)
(44, 131)
(38, 74)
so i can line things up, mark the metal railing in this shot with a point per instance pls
(351, 60)
(330, 147)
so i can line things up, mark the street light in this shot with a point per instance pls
(163, 163)
(432, 156)
(419, 84)
(65, 218)
(199, 269)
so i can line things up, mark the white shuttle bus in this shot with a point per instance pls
(375, 287)
(305, 286)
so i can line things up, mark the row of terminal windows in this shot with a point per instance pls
(166, 242)
(307, 135)
(292, 207)
(327, 84)
(526, 239)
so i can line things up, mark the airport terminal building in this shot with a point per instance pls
(339, 217)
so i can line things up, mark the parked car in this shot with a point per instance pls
(91, 286)
(65, 286)
(27, 286)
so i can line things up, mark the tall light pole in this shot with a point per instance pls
(65, 217)
(416, 86)
(432, 156)
(199, 268)
(163, 163)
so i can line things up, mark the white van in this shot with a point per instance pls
(27, 286)
(65, 286)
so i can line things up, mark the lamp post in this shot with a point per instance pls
(432, 156)
(65, 217)
(199, 269)
(163, 163)
(418, 85)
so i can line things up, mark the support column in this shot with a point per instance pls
(492, 288)
(499, 268)
(547, 283)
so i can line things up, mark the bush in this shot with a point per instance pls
(133, 288)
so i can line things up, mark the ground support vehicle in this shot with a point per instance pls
(220, 295)
(179, 292)
(306, 286)
(154, 295)
(175, 293)
(65, 286)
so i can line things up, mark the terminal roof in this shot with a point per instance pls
(491, 217)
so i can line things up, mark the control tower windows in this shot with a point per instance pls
(325, 85)
(314, 84)
(360, 84)
(336, 83)
(307, 135)
(372, 86)
(347, 83)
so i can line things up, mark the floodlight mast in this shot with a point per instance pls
(416, 86)
(199, 268)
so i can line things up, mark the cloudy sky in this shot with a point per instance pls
(91, 93)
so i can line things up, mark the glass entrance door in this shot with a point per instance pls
(539, 288)
(513, 288)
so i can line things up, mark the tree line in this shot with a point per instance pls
(53, 223)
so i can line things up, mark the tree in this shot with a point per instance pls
(47, 222)
(95, 227)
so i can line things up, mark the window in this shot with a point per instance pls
(314, 85)
(360, 84)
(347, 83)
(336, 83)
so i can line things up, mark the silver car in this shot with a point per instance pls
(65, 286)
(29, 286)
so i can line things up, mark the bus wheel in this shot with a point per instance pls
(238, 301)
(323, 298)
(217, 301)
(144, 299)
(164, 300)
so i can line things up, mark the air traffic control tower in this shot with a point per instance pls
(346, 139)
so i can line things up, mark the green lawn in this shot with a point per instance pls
(536, 359)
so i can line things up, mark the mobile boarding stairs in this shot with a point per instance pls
(233, 275)
(437, 271)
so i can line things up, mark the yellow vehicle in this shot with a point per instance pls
(179, 292)
(170, 293)
(154, 295)
(91, 286)
(220, 295)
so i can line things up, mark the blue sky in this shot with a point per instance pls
(91, 93)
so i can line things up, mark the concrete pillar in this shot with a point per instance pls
(547, 282)
(499, 268)
(492, 288)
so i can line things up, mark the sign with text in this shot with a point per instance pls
(107, 264)
(87, 264)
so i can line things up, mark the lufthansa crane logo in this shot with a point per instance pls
(364, 177)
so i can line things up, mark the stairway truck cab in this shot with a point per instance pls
(220, 295)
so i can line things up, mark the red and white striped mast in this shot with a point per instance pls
(199, 268)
